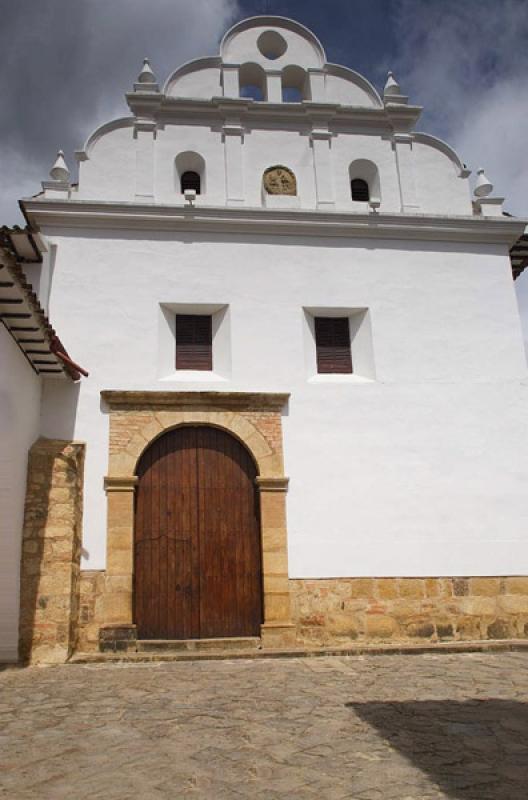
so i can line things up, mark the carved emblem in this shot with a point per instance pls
(280, 180)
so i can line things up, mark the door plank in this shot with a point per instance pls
(197, 570)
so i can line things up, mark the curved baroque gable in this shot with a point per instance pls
(249, 40)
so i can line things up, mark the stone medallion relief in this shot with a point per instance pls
(280, 180)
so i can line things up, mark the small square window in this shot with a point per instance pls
(194, 342)
(332, 342)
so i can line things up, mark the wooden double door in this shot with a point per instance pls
(197, 555)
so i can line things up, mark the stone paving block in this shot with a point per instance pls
(368, 727)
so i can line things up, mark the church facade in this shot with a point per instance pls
(306, 411)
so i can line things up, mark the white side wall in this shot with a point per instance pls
(418, 472)
(19, 428)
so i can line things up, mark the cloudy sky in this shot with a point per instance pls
(66, 65)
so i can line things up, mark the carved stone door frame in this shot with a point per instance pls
(136, 420)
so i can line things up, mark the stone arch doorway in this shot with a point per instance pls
(197, 541)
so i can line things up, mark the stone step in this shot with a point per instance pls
(358, 649)
(238, 643)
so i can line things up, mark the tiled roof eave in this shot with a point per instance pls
(24, 318)
(519, 255)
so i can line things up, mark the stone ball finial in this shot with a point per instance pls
(483, 186)
(392, 86)
(60, 171)
(146, 75)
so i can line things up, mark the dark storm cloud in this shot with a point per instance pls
(66, 65)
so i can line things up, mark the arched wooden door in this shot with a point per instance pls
(197, 561)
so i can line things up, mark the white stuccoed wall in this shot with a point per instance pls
(108, 168)
(19, 428)
(417, 465)
(420, 472)
(109, 173)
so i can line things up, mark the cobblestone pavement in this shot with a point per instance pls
(391, 727)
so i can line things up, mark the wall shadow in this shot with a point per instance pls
(473, 749)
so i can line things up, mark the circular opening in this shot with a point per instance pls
(272, 45)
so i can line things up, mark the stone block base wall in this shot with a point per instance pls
(51, 549)
(337, 612)
(341, 610)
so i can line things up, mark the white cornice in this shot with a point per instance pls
(267, 221)
(165, 109)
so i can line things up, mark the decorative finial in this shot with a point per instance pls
(392, 86)
(60, 171)
(146, 75)
(146, 81)
(483, 186)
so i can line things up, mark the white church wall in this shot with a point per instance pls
(266, 148)
(40, 275)
(347, 149)
(174, 140)
(128, 164)
(416, 469)
(341, 87)
(420, 480)
(111, 171)
(19, 428)
(439, 187)
(202, 83)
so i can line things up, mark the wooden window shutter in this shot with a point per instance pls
(194, 342)
(332, 341)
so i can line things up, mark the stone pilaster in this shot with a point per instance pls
(321, 138)
(277, 630)
(403, 144)
(120, 549)
(231, 80)
(274, 86)
(51, 549)
(233, 135)
(316, 79)
(145, 133)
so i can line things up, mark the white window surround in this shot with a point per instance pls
(360, 344)
(166, 370)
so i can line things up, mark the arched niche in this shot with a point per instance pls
(189, 162)
(365, 170)
(252, 82)
(295, 84)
